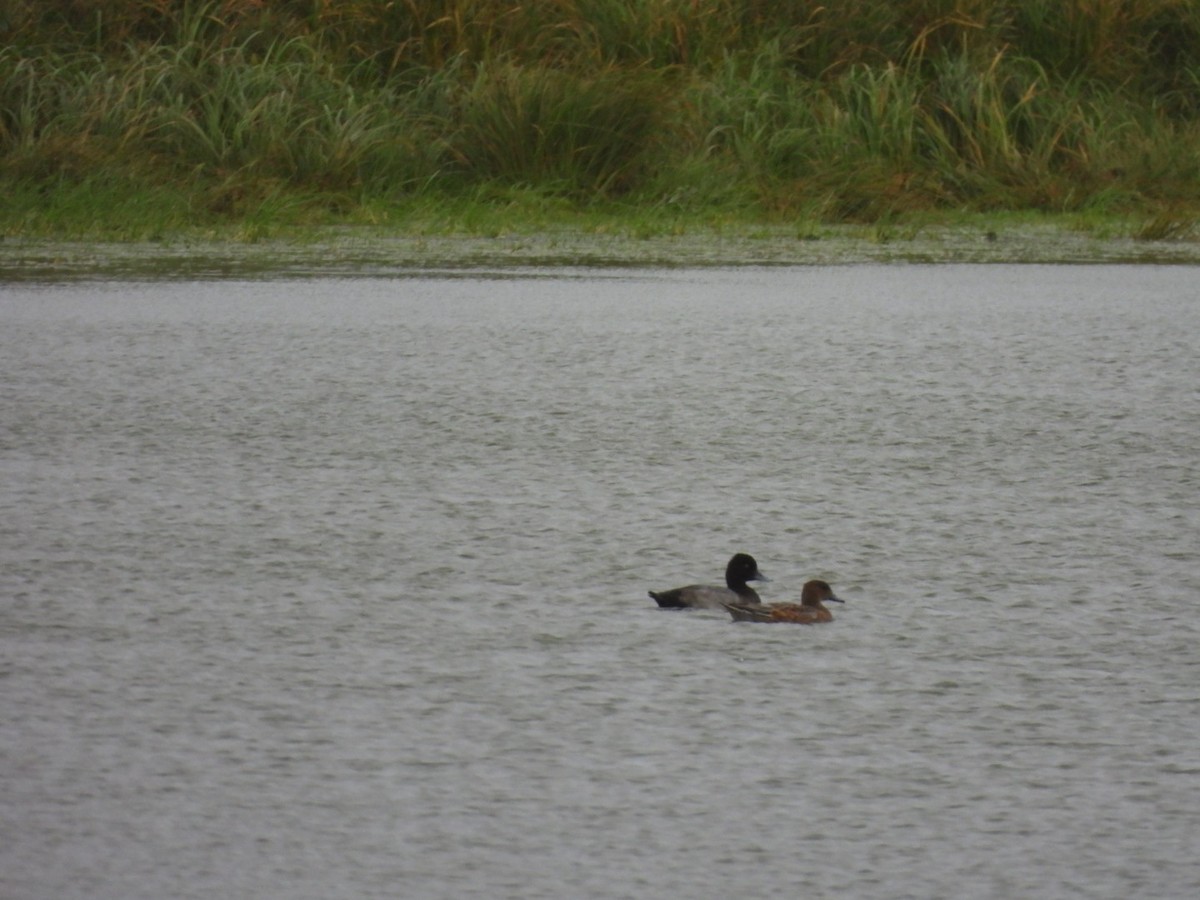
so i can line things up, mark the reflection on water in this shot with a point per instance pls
(338, 587)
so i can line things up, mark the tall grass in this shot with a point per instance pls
(951, 130)
(587, 133)
(857, 110)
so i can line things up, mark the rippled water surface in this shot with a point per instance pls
(337, 588)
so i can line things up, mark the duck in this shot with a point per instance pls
(809, 611)
(742, 568)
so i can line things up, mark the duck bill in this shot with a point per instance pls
(835, 599)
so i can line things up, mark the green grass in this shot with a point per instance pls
(97, 208)
(144, 119)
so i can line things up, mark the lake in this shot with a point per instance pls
(336, 587)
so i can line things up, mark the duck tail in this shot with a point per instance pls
(667, 599)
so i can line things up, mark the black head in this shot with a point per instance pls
(743, 568)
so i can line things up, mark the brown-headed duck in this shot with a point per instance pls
(809, 611)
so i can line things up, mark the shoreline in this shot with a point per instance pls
(365, 251)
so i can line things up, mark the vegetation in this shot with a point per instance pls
(135, 118)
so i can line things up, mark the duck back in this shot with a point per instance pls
(704, 596)
(779, 612)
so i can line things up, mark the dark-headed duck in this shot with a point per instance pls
(809, 611)
(741, 568)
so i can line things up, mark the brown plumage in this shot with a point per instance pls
(809, 611)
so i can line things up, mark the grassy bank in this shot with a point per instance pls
(136, 119)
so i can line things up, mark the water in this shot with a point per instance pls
(337, 588)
